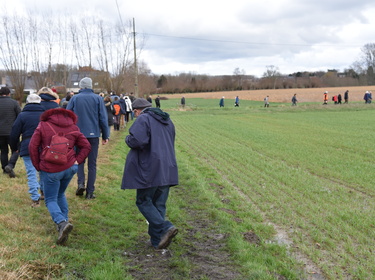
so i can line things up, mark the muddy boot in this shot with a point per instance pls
(64, 228)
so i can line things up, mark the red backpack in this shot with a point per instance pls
(56, 152)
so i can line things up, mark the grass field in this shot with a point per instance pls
(265, 193)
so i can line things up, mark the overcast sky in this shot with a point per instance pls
(215, 37)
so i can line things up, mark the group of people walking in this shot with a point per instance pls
(83, 120)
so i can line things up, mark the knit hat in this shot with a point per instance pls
(33, 98)
(141, 103)
(85, 83)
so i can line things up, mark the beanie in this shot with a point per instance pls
(33, 98)
(85, 83)
(141, 103)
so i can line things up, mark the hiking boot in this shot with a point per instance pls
(64, 228)
(167, 238)
(9, 170)
(35, 204)
(90, 196)
(81, 189)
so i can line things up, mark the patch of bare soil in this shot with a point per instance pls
(202, 250)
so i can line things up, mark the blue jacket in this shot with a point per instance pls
(151, 162)
(91, 112)
(25, 124)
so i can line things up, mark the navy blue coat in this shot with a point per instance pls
(151, 162)
(25, 124)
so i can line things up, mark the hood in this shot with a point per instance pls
(49, 97)
(60, 117)
(157, 114)
(33, 107)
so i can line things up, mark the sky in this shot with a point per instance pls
(216, 37)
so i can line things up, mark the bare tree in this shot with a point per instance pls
(15, 52)
(114, 55)
(271, 74)
(239, 74)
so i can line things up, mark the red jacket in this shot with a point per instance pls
(62, 120)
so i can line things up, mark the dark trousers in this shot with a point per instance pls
(151, 203)
(91, 167)
(4, 149)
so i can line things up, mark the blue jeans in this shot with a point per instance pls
(55, 185)
(32, 178)
(91, 166)
(152, 204)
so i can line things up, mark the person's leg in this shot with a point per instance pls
(4, 149)
(51, 183)
(81, 178)
(64, 182)
(152, 207)
(91, 174)
(32, 178)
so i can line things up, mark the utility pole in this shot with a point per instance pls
(135, 64)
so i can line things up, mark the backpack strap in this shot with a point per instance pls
(54, 131)
(51, 127)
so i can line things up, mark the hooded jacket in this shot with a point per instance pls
(49, 100)
(62, 120)
(151, 162)
(25, 124)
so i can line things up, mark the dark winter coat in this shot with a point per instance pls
(9, 110)
(25, 125)
(62, 120)
(122, 103)
(151, 162)
(91, 112)
(110, 112)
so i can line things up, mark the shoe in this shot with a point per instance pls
(90, 196)
(64, 228)
(81, 189)
(35, 204)
(9, 170)
(167, 238)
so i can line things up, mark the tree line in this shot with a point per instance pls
(50, 48)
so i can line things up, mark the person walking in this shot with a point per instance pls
(339, 98)
(56, 176)
(92, 121)
(128, 109)
(157, 102)
(9, 110)
(110, 110)
(237, 102)
(25, 125)
(151, 168)
(294, 100)
(221, 103)
(182, 102)
(346, 97)
(266, 101)
(325, 98)
(49, 98)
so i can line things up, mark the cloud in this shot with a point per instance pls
(217, 37)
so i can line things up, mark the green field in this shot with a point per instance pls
(280, 192)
